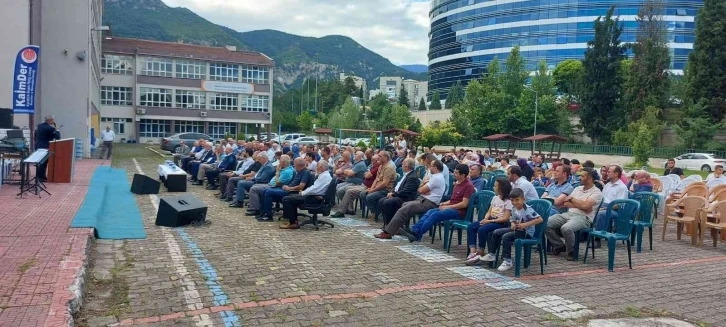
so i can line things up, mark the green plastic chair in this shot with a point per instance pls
(420, 172)
(649, 203)
(489, 177)
(446, 197)
(626, 214)
(481, 202)
(540, 190)
(542, 207)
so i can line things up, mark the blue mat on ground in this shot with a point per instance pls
(110, 208)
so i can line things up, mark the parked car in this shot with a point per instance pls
(171, 143)
(305, 140)
(699, 161)
(289, 137)
(263, 136)
(349, 141)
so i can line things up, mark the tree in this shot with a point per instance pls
(403, 97)
(378, 106)
(455, 96)
(435, 101)
(696, 130)
(706, 73)
(461, 119)
(305, 121)
(349, 87)
(422, 104)
(647, 81)
(416, 126)
(600, 113)
(567, 77)
(348, 117)
(437, 133)
(515, 74)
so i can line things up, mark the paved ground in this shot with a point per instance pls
(237, 271)
(40, 257)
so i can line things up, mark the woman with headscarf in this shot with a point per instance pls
(527, 171)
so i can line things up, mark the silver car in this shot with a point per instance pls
(171, 143)
(706, 162)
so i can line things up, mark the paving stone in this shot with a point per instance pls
(101, 321)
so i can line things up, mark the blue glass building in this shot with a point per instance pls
(466, 35)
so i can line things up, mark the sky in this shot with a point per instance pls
(395, 29)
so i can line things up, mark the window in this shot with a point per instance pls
(119, 124)
(116, 64)
(681, 12)
(116, 96)
(223, 72)
(185, 126)
(219, 130)
(154, 97)
(191, 99)
(255, 103)
(154, 128)
(190, 69)
(153, 66)
(225, 101)
(255, 74)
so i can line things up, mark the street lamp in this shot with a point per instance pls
(536, 108)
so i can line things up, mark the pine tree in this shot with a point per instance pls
(435, 101)
(647, 83)
(422, 104)
(455, 96)
(706, 73)
(403, 97)
(601, 90)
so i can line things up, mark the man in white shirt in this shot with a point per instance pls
(430, 195)
(291, 202)
(107, 137)
(615, 189)
(582, 204)
(514, 174)
(717, 174)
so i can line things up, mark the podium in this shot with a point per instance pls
(61, 163)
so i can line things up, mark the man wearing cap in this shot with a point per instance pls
(582, 204)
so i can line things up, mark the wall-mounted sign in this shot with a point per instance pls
(227, 87)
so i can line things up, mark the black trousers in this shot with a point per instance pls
(289, 207)
(389, 208)
(185, 163)
(40, 171)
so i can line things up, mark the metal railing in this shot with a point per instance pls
(588, 148)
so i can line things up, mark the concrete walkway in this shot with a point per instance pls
(43, 260)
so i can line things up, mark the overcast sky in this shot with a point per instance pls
(395, 29)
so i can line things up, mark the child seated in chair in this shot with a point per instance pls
(539, 179)
(521, 226)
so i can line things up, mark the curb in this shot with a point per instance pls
(68, 293)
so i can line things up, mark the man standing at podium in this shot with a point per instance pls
(45, 133)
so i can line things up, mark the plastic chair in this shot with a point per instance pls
(694, 177)
(649, 203)
(481, 202)
(714, 183)
(717, 216)
(420, 172)
(627, 210)
(540, 190)
(446, 197)
(542, 207)
(489, 177)
(691, 206)
(578, 234)
(675, 178)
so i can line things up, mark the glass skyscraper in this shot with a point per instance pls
(466, 35)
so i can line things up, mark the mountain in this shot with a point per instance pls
(296, 57)
(415, 68)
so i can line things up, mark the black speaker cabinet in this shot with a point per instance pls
(175, 211)
(143, 184)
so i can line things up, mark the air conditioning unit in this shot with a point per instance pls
(141, 111)
(203, 114)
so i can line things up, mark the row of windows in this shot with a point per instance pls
(162, 128)
(116, 96)
(117, 124)
(560, 39)
(159, 97)
(536, 10)
(191, 69)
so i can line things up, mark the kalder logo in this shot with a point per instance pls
(29, 56)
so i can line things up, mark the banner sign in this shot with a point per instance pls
(227, 87)
(24, 80)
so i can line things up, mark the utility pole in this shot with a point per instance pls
(308, 108)
(317, 61)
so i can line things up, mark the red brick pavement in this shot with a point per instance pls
(40, 256)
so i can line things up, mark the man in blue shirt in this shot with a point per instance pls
(559, 189)
(228, 163)
(297, 184)
(263, 176)
(283, 175)
(475, 177)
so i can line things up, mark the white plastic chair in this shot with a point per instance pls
(668, 187)
(697, 178)
(682, 184)
(675, 178)
(715, 182)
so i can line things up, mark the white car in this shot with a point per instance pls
(305, 140)
(699, 161)
(349, 141)
(289, 137)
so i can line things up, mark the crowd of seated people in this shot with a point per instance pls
(402, 184)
